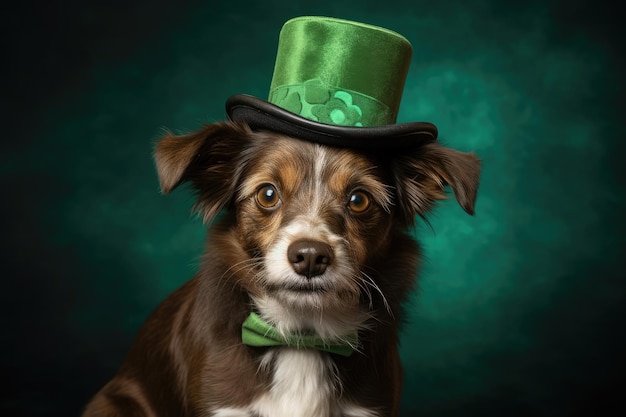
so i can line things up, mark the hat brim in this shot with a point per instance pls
(263, 115)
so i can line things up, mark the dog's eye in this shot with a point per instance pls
(267, 196)
(359, 202)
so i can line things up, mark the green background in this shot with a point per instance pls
(520, 309)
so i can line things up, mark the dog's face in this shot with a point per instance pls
(310, 225)
(314, 217)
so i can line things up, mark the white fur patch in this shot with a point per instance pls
(231, 412)
(302, 385)
(321, 160)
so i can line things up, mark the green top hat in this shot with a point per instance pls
(338, 83)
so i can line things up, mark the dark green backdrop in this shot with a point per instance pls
(520, 310)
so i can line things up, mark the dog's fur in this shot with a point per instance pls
(189, 360)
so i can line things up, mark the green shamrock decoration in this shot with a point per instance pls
(339, 110)
(289, 100)
(319, 102)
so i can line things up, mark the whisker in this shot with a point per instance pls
(373, 284)
(359, 282)
(249, 264)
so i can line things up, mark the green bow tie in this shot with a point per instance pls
(256, 332)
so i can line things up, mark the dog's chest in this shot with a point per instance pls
(304, 384)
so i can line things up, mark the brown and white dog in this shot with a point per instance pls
(314, 241)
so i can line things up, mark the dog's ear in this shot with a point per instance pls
(209, 159)
(422, 174)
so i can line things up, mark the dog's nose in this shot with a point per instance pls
(309, 257)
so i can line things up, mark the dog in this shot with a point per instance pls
(314, 240)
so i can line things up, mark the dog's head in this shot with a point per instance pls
(311, 226)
